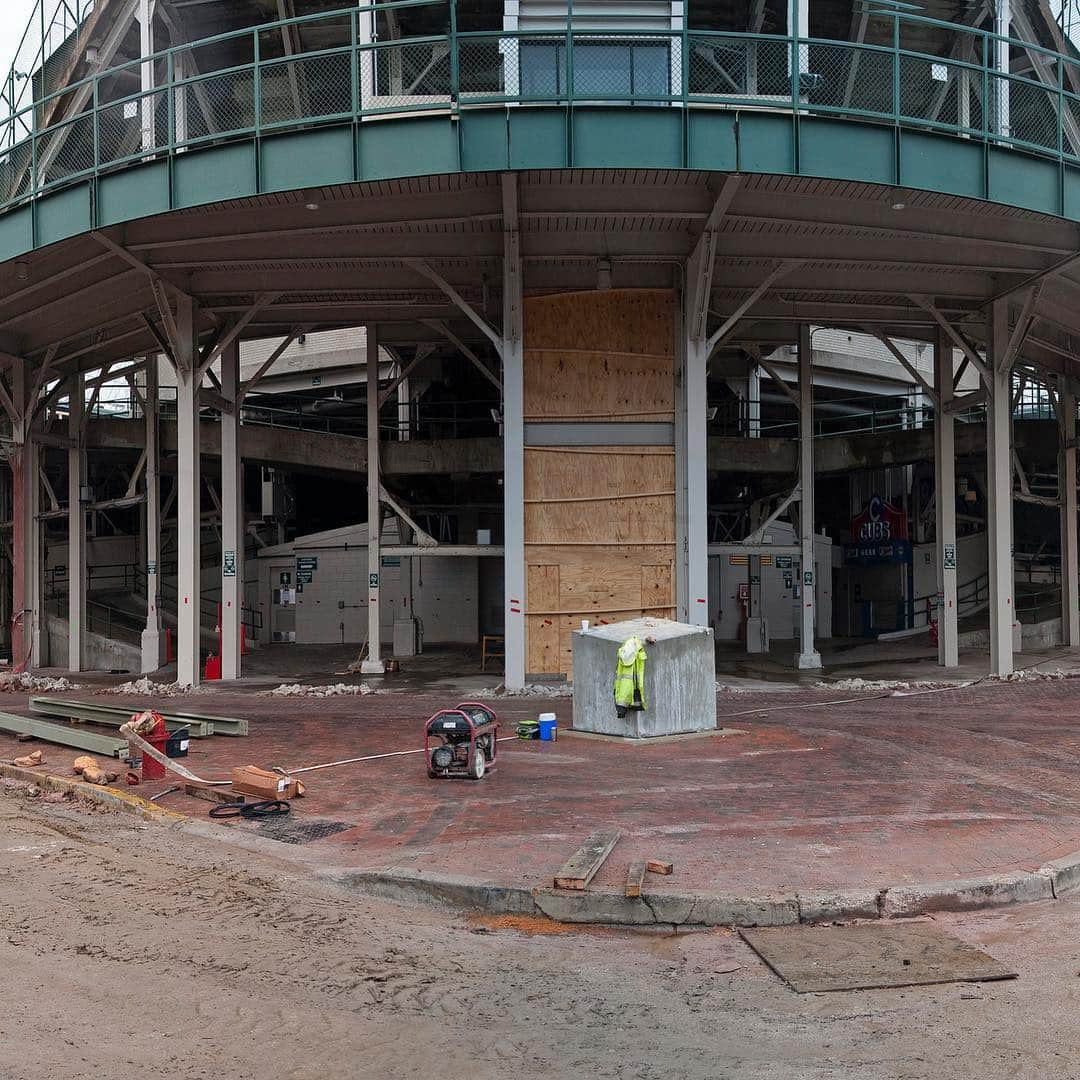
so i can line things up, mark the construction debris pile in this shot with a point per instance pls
(144, 687)
(335, 690)
(539, 690)
(12, 683)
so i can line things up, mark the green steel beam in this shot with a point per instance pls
(63, 735)
(109, 716)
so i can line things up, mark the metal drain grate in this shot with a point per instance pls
(290, 830)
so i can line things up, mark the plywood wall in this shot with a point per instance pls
(599, 520)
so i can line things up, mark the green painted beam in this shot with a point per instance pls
(110, 716)
(64, 735)
(217, 725)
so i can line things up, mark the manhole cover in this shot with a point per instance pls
(290, 830)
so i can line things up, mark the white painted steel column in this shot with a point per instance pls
(373, 664)
(1000, 93)
(151, 636)
(513, 415)
(1070, 553)
(999, 493)
(945, 502)
(146, 71)
(76, 526)
(188, 500)
(753, 400)
(809, 657)
(232, 516)
(696, 399)
(682, 473)
(35, 549)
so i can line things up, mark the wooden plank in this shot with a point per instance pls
(64, 735)
(581, 867)
(213, 794)
(543, 630)
(630, 322)
(635, 878)
(656, 866)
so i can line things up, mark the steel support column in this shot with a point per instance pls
(693, 401)
(26, 536)
(1070, 554)
(372, 664)
(999, 490)
(188, 499)
(513, 416)
(809, 658)
(76, 525)
(945, 503)
(151, 636)
(232, 516)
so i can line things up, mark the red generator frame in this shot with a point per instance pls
(461, 743)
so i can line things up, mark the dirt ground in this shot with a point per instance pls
(130, 949)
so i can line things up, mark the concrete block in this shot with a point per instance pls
(665, 909)
(839, 906)
(1016, 887)
(1063, 874)
(680, 679)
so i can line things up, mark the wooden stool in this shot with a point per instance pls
(492, 647)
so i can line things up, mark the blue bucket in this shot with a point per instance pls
(549, 728)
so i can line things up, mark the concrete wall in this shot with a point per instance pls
(726, 610)
(99, 653)
(971, 562)
(332, 607)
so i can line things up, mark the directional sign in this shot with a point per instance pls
(783, 562)
(151, 568)
(228, 564)
(303, 577)
(949, 559)
(808, 577)
(373, 581)
(307, 562)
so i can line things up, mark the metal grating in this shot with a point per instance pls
(298, 830)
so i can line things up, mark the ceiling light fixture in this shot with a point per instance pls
(899, 205)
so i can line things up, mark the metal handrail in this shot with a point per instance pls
(454, 71)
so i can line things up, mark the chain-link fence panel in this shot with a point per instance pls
(489, 68)
(15, 171)
(847, 77)
(720, 66)
(941, 92)
(214, 105)
(410, 75)
(127, 127)
(1070, 122)
(307, 87)
(66, 149)
(1032, 111)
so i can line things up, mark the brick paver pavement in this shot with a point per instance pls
(876, 792)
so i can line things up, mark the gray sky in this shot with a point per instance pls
(14, 15)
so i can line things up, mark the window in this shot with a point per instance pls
(638, 70)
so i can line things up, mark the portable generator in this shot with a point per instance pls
(461, 742)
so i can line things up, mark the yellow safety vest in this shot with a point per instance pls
(630, 676)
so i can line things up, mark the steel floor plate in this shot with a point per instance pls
(867, 956)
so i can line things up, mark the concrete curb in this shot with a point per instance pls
(608, 907)
(113, 798)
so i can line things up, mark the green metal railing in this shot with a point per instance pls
(245, 84)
